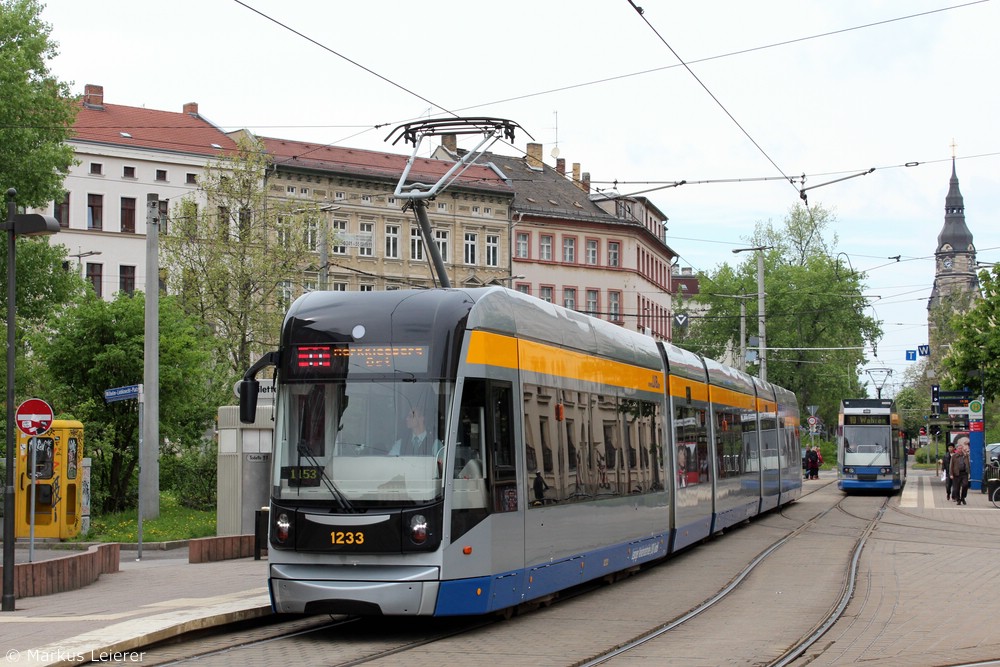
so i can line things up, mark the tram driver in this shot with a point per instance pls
(418, 441)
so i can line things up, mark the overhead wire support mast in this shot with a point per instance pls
(802, 191)
(417, 194)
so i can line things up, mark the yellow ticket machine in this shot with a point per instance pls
(55, 484)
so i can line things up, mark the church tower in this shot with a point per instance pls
(956, 284)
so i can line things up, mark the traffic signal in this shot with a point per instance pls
(935, 394)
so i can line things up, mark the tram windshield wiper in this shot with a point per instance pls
(338, 495)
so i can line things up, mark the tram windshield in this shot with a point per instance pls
(359, 444)
(867, 445)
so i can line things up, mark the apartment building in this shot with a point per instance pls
(363, 235)
(124, 154)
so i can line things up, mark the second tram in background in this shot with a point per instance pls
(871, 452)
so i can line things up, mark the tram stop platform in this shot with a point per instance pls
(164, 595)
(158, 597)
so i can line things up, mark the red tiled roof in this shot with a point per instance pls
(147, 128)
(374, 163)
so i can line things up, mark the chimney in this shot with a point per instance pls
(535, 156)
(576, 172)
(93, 96)
(449, 142)
(191, 108)
(561, 166)
(585, 183)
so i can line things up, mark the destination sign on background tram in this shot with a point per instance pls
(362, 358)
(866, 420)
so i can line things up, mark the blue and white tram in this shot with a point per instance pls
(871, 453)
(554, 448)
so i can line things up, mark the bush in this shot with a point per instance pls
(190, 474)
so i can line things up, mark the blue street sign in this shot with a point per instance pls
(911, 355)
(924, 350)
(121, 393)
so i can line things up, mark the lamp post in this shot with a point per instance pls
(323, 244)
(761, 324)
(25, 224)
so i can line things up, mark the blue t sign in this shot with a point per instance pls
(911, 355)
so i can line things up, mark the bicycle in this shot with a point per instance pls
(995, 496)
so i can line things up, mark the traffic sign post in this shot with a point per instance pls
(33, 418)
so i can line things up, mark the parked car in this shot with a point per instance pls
(992, 451)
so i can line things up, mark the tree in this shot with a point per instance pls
(36, 110)
(975, 341)
(96, 345)
(817, 326)
(236, 260)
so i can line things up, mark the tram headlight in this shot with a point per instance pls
(418, 528)
(282, 524)
(848, 471)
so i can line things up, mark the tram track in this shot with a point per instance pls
(347, 642)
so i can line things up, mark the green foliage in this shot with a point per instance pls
(175, 522)
(975, 341)
(36, 111)
(96, 345)
(813, 300)
(236, 259)
(191, 474)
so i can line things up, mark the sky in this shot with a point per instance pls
(736, 98)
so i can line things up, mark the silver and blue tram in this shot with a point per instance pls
(871, 453)
(558, 448)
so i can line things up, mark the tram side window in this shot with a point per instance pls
(470, 498)
(500, 435)
(312, 422)
(691, 436)
(728, 442)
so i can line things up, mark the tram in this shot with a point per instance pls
(871, 453)
(463, 451)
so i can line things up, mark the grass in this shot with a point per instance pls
(174, 523)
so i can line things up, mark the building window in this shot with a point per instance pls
(289, 189)
(366, 199)
(366, 287)
(367, 230)
(441, 239)
(95, 211)
(340, 195)
(128, 216)
(487, 210)
(569, 298)
(391, 201)
(339, 229)
(191, 179)
(339, 287)
(469, 255)
(442, 207)
(545, 293)
(569, 250)
(392, 241)
(95, 277)
(303, 191)
(523, 288)
(613, 253)
(61, 211)
(492, 250)
(545, 248)
(128, 172)
(416, 244)
(592, 251)
(521, 245)
(615, 306)
(311, 232)
(126, 279)
(96, 168)
(592, 299)
(161, 174)
(310, 281)
(285, 294)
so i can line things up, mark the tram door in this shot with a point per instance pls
(52, 491)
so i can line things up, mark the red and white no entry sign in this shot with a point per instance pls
(33, 417)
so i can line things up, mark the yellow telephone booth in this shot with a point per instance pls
(56, 480)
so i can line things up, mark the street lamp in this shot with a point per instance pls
(324, 243)
(25, 224)
(761, 324)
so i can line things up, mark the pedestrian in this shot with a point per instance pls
(959, 468)
(819, 462)
(946, 469)
(540, 487)
(812, 463)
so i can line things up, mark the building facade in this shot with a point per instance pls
(124, 155)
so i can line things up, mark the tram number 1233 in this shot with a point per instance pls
(301, 475)
(347, 537)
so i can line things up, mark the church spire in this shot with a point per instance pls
(955, 235)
